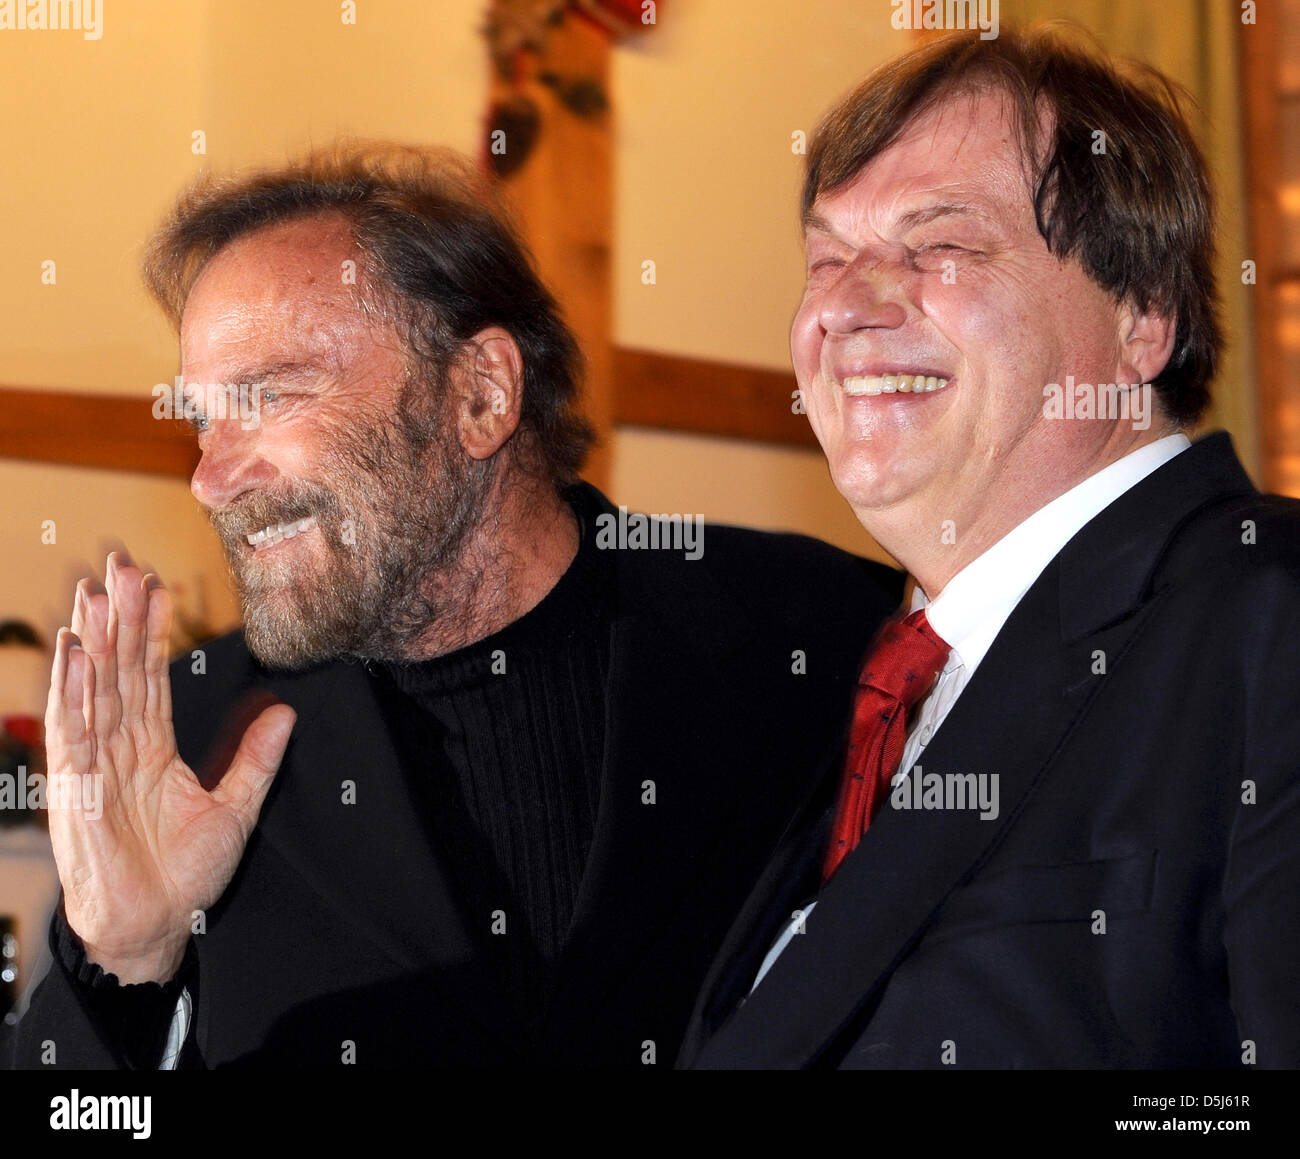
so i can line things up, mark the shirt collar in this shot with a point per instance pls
(970, 611)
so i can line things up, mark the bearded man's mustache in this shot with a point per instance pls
(236, 522)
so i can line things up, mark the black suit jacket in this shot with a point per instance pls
(1136, 902)
(342, 923)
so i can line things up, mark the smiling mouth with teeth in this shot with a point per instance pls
(285, 529)
(872, 384)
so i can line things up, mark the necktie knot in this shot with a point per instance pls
(905, 660)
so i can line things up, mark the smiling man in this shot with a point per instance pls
(503, 788)
(1066, 830)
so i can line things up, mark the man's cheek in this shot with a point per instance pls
(823, 414)
(805, 347)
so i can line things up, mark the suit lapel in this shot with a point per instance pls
(371, 860)
(673, 629)
(1031, 689)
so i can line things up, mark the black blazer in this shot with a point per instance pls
(342, 924)
(1136, 902)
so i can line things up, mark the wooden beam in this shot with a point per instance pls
(93, 430)
(716, 398)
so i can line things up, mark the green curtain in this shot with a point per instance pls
(1195, 43)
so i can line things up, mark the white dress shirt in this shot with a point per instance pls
(970, 611)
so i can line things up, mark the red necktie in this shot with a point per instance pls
(899, 670)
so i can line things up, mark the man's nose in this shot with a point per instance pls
(230, 464)
(868, 294)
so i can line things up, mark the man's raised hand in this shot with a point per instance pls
(157, 846)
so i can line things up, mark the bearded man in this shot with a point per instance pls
(523, 781)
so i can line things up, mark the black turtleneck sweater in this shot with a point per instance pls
(504, 741)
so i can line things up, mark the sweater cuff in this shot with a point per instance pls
(133, 1018)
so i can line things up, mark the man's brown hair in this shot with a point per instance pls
(1138, 217)
(439, 258)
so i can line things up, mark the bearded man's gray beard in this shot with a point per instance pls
(395, 524)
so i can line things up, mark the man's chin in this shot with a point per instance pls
(288, 640)
(869, 486)
(283, 654)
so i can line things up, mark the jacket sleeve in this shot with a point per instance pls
(82, 1018)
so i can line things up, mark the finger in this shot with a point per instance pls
(100, 647)
(76, 840)
(158, 632)
(55, 701)
(65, 719)
(127, 611)
(85, 587)
(67, 740)
(245, 785)
(70, 743)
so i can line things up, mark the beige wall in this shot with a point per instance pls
(734, 481)
(98, 144)
(292, 75)
(707, 188)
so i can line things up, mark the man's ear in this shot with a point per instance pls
(1146, 342)
(489, 382)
